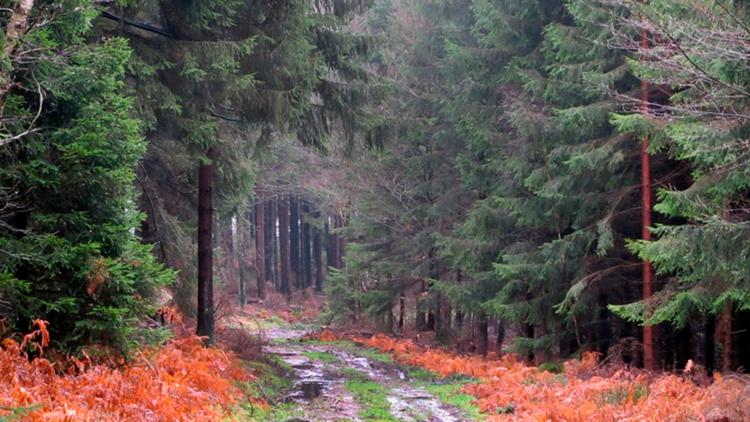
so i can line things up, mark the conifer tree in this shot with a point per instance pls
(217, 80)
(70, 145)
(702, 122)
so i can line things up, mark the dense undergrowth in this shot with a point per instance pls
(584, 390)
(181, 380)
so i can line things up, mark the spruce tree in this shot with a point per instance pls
(218, 81)
(703, 256)
(68, 253)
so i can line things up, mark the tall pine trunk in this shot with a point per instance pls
(709, 345)
(294, 240)
(306, 239)
(726, 337)
(286, 282)
(335, 243)
(401, 310)
(330, 259)
(500, 337)
(260, 248)
(435, 317)
(275, 270)
(459, 311)
(448, 317)
(240, 251)
(421, 322)
(439, 320)
(530, 356)
(205, 316)
(268, 226)
(649, 359)
(228, 264)
(482, 333)
(318, 254)
(341, 244)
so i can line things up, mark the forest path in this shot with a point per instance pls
(339, 381)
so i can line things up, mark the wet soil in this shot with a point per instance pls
(321, 371)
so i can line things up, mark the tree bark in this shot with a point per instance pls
(448, 317)
(483, 337)
(240, 251)
(439, 329)
(709, 345)
(330, 258)
(306, 247)
(500, 337)
(306, 239)
(294, 240)
(459, 320)
(401, 310)
(260, 248)
(205, 315)
(318, 254)
(341, 244)
(421, 322)
(649, 359)
(530, 334)
(275, 270)
(726, 338)
(431, 318)
(268, 250)
(459, 312)
(286, 282)
(435, 319)
(335, 244)
(228, 262)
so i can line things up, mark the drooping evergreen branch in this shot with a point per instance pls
(140, 25)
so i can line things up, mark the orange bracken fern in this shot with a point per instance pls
(181, 381)
(508, 389)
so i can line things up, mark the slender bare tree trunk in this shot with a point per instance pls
(274, 257)
(341, 245)
(421, 322)
(294, 242)
(531, 356)
(336, 243)
(306, 240)
(438, 309)
(500, 337)
(260, 248)
(726, 338)
(330, 256)
(649, 359)
(482, 328)
(401, 310)
(459, 311)
(240, 251)
(286, 270)
(318, 254)
(205, 317)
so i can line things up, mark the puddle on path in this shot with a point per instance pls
(318, 387)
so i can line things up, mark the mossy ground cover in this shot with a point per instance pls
(448, 390)
(321, 356)
(372, 398)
